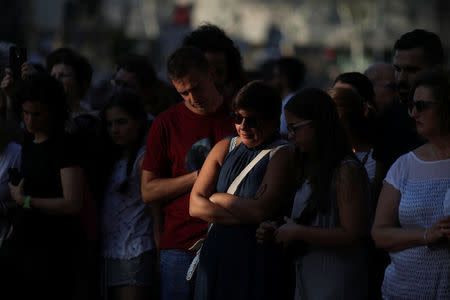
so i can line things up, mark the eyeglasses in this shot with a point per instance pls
(251, 121)
(292, 127)
(420, 105)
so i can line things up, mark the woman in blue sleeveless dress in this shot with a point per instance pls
(232, 264)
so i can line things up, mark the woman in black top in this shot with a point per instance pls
(48, 234)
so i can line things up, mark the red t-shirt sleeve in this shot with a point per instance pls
(156, 156)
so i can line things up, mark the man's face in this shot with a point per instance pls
(198, 91)
(126, 79)
(407, 64)
(384, 88)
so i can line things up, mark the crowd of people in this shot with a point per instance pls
(219, 186)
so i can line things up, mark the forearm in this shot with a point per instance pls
(56, 206)
(397, 239)
(165, 189)
(245, 209)
(158, 222)
(11, 113)
(200, 207)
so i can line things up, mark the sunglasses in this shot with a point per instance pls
(251, 121)
(420, 105)
(292, 127)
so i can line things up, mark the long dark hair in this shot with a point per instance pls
(331, 144)
(128, 101)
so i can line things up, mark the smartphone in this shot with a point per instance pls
(14, 176)
(17, 56)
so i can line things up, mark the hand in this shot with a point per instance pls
(288, 232)
(27, 69)
(214, 197)
(266, 232)
(7, 84)
(440, 229)
(17, 192)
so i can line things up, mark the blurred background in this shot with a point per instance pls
(329, 36)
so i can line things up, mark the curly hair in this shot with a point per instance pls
(80, 65)
(211, 38)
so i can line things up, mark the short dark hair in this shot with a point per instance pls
(438, 81)
(428, 41)
(360, 82)
(81, 66)
(211, 38)
(259, 97)
(293, 69)
(138, 65)
(183, 60)
(43, 88)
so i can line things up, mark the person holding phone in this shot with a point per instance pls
(46, 251)
(14, 69)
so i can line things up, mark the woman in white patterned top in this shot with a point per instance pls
(127, 236)
(413, 215)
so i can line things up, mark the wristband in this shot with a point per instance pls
(26, 203)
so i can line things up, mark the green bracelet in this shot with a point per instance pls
(26, 203)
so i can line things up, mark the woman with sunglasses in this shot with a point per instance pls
(232, 264)
(327, 229)
(412, 221)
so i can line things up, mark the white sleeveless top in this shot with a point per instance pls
(126, 219)
(420, 272)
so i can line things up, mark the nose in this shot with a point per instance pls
(114, 128)
(244, 124)
(413, 112)
(402, 76)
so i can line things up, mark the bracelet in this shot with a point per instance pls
(425, 235)
(26, 203)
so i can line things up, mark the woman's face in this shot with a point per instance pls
(66, 75)
(303, 135)
(122, 128)
(36, 117)
(252, 128)
(424, 112)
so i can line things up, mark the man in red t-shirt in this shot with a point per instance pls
(179, 141)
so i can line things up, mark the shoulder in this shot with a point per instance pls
(221, 149)
(350, 167)
(13, 148)
(168, 113)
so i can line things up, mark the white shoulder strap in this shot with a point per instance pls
(232, 188)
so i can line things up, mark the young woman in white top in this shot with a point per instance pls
(127, 238)
(412, 221)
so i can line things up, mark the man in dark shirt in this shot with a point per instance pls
(395, 132)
